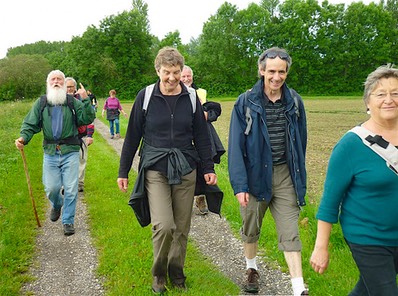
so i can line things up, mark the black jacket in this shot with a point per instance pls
(161, 127)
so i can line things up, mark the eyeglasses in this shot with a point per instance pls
(273, 54)
(382, 95)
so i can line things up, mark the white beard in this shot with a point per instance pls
(56, 95)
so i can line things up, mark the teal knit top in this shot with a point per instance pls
(362, 192)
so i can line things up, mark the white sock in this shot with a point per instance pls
(251, 263)
(298, 286)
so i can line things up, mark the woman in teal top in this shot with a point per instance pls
(362, 192)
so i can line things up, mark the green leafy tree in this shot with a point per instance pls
(369, 42)
(23, 76)
(217, 57)
(116, 55)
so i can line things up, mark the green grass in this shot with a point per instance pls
(18, 226)
(124, 248)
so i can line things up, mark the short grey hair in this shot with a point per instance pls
(275, 51)
(71, 79)
(385, 71)
(186, 67)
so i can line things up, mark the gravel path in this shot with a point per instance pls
(72, 272)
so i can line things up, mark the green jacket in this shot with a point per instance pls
(31, 124)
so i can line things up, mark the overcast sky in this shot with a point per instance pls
(29, 21)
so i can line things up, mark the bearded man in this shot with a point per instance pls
(58, 120)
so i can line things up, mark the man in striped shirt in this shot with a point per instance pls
(266, 163)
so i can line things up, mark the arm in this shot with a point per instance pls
(85, 113)
(90, 132)
(105, 107)
(30, 126)
(121, 109)
(131, 142)
(320, 256)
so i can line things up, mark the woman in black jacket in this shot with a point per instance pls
(174, 138)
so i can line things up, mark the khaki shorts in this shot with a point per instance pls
(284, 210)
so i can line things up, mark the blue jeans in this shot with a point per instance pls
(378, 267)
(62, 170)
(116, 122)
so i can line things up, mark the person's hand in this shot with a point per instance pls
(89, 141)
(319, 259)
(19, 143)
(211, 179)
(243, 198)
(125, 114)
(102, 113)
(82, 92)
(123, 184)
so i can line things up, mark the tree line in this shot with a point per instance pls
(333, 47)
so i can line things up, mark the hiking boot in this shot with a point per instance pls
(117, 136)
(159, 284)
(54, 214)
(201, 204)
(69, 229)
(305, 293)
(112, 136)
(251, 285)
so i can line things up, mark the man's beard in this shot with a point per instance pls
(56, 95)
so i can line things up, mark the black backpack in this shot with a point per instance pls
(69, 101)
(71, 140)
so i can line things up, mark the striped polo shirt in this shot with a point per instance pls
(276, 124)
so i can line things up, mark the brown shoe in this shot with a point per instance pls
(251, 285)
(201, 204)
(159, 284)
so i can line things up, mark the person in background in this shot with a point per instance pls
(93, 99)
(113, 108)
(187, 79)
(61, 144)
(266, 163)
(361, 191)
(171, 148)
(212, 111)
(85, 133)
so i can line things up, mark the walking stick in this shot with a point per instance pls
(29, 186)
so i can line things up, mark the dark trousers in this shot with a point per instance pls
(378, 267)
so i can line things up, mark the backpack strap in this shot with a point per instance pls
(43, 104)
(148, 94)
(149, 91)
(385, 150)
(69, 100)
(192, 96)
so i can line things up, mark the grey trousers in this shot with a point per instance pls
(171, 209)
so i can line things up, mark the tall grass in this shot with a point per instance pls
(124, 248)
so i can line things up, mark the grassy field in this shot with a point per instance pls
(125, 248)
